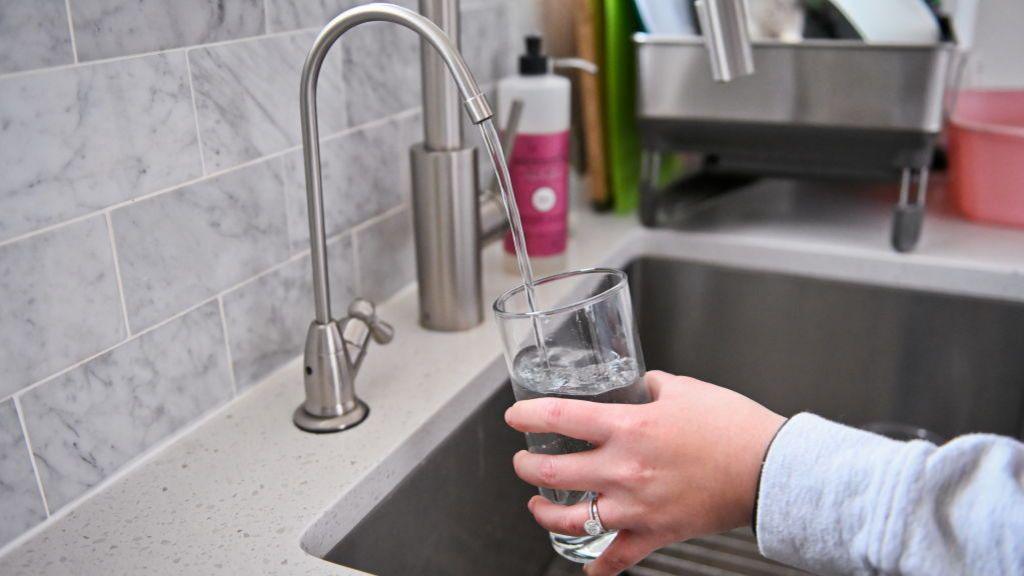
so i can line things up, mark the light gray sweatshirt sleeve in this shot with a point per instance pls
(838, 500)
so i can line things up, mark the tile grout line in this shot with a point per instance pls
(377, 218)
(227, 345)
(149, 53)
(71, 31)
(363, 227)
(298, 256)
(31, 456)
(266, 19)
(195, 111)
(117, 275)
(356, 268)
(247, 164)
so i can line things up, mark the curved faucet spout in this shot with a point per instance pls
(475, 102)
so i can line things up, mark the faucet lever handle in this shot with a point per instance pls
(363, 310)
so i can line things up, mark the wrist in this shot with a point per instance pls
(760, 476)
(761, 437)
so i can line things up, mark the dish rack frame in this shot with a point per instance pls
(811, 108)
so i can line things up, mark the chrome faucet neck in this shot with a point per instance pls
(474, 101)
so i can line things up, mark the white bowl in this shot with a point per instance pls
(891, 21)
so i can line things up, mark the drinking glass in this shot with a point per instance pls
(581, 343)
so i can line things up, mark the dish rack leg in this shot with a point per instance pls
(650, 165)
(908, 216)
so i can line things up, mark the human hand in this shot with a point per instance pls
(683, 465)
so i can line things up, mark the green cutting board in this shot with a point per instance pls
(622, 145)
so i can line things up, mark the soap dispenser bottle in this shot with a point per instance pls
(539, 164)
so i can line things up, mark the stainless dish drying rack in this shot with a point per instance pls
(812, 108)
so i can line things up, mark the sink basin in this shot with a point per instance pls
(856, 353)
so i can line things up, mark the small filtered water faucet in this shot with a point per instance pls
(330, 369)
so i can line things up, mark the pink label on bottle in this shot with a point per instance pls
(539, 169)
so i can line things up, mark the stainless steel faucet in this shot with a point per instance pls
(446, 217)
(450, 215)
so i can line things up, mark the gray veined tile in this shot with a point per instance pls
(58, 302)
(33, 35)
(247, 97)
(74, 140)
(474, 4)
(294, 14)
(107, 28)
(21, 505)
(180, 248)
(268, 317)
(363, 173)
(486, 43)
(381, 65)
(386, 255)
(89, 422)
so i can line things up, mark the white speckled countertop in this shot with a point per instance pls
(246, 492)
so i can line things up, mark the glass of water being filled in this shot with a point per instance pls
(576, 339)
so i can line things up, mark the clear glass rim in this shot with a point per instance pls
(621, 282)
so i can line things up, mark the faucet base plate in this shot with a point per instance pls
(319, 425)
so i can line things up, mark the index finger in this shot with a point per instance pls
(580, 419)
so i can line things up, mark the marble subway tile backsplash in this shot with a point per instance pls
(88, 422)
(247, 96)
(185, 246)
(75, 140)
(267, 318)
(154, 248)
(108, 28)
(485, 30)
(381, 64)
(21, 504)
(362, 177)
(59, 302)
(33, 34)
(386, 255)
(295, 14)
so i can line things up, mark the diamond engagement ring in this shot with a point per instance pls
(593, 524)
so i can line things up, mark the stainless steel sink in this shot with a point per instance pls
(856, 353)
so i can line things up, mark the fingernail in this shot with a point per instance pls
(507, 412)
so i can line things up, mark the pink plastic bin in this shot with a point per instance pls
(986, 156)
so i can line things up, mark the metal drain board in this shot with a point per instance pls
(729, 554)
